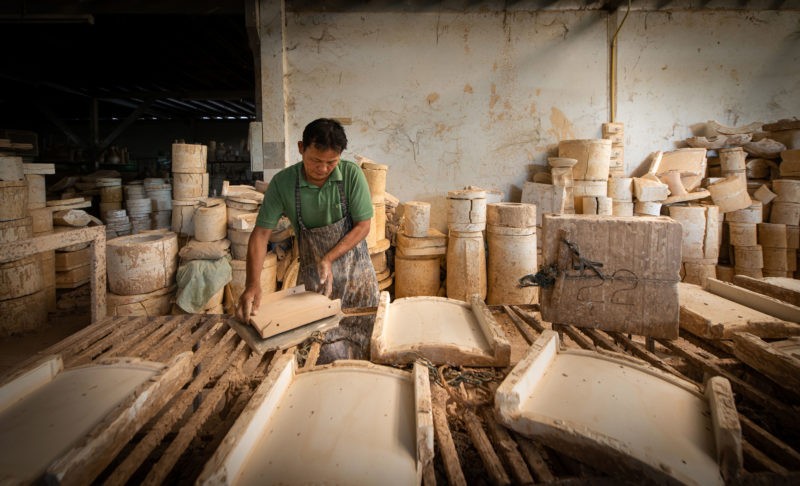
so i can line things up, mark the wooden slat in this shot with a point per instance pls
(497, 474)
(575, 335)
(214, 359)
(503, 441)
(787, 414)
(760, 459)
(444, 439)
(777, 449)
(523, 326)
(189, 430)
(534, 456)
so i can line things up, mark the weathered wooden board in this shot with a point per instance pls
(778, 360)
(782, 288)
(71, 423)
(352, 422)
(616, 414)
(291, 308)
(754, 300)
(613, 273)
(713, 317)
(441, 330)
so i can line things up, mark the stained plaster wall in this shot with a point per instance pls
(481, 98)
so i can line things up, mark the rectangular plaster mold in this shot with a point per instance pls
(69, 424)
(613, 273)
(283, 340)
(291, 308)
(351, 422)
(622, 416)
(441, 330)
(710, 316)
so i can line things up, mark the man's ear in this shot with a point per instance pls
(300, 147)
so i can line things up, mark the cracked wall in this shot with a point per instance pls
(453, 99)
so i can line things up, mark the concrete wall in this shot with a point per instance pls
(452, 99)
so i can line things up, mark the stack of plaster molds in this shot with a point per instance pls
(420, 250)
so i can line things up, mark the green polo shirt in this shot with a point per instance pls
(320, 206)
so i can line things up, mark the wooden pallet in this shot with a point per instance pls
(470, 445)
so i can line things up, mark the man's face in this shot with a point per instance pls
(318, 164)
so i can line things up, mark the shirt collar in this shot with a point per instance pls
(335, 176)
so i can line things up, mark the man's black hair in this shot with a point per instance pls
(325, 134)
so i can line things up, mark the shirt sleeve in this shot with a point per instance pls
(358, 196)
(271, 208)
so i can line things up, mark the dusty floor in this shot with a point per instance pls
(72, 315)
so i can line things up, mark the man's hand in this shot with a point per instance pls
(325, 271)
(249, 302)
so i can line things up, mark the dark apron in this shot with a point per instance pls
(354, 281)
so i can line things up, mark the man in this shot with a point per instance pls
(328, 203)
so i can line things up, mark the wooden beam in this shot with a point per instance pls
(124, 125)
(55, 120)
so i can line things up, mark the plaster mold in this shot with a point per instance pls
(69, 422)
(621, 415)
(444, 331)
(352, 422)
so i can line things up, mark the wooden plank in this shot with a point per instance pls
(773, 287)
(601, 339)
(641, 352)
(785, 413)
(497, 474)
(534, 455)
(523, 326)
(727, 431)
(502, 439)
(83, 462)
(762, 303)
(576, 336)
(447, 448)
(41, 169)
(780, 367)
(761, 459)
(423, 407)
(714, 317)
(776, 448)
(291, 310)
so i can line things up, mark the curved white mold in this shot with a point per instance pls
(69, 424)
(622, 416)
(351, 422)
(441, 330)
